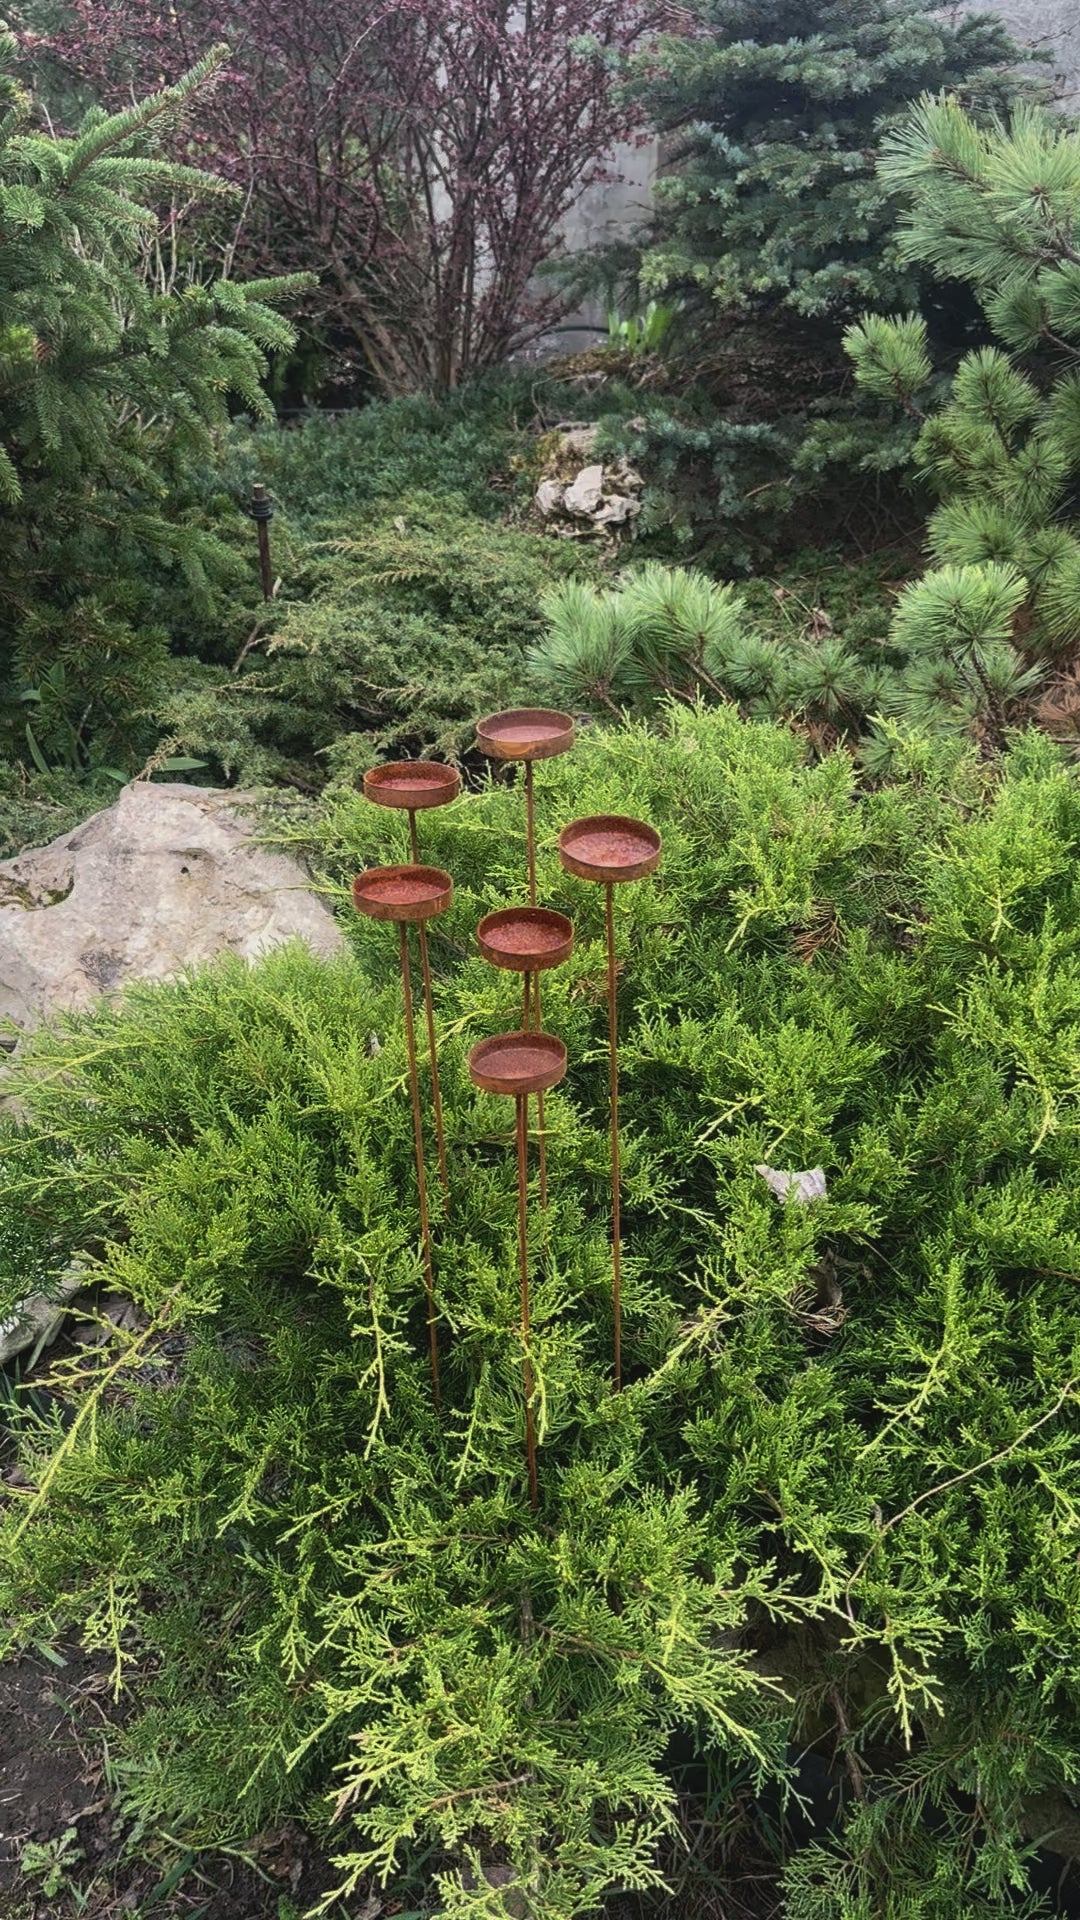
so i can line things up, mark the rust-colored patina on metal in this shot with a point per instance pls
(407, 893)
(525, 733)
(517, 1065)
(411, 894)
(525, 939)
(413, 786)
(610, 848)
(528, 734)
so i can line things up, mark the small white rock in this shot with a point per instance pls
(800, 1187)
(586, 494)
(549, 495)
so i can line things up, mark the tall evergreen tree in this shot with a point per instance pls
(772, 229)
(113, 372)
(773, 112)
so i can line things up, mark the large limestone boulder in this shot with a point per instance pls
(169, 876)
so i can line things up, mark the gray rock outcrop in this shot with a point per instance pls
(586, 498)
(168, 877)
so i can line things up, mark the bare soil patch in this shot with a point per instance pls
(58, 1816)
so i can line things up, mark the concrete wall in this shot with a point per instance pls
(1053, 25)
(605, 213)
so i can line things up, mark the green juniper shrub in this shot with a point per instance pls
(402, 625)
(408, 585)
(836, 1502)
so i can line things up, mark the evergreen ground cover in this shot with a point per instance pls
(836, 1505)
(399, 624)
(472, 443)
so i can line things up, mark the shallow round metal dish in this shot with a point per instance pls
(402, 893)
(412, 784)
(525, 939)
(517, 1063)
(609, 847)
(525, 733)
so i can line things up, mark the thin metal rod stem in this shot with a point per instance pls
(436, 1090)
(530, 831)
(540, 1107)
(613, 1062)
(418, 1147)
(530, 845)
(522, 1104)
(528, 1020)
(429, 1017)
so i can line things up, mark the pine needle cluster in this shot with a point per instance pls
(835, 1505)
(947, 663)
(999, 208)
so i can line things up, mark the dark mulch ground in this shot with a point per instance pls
(54, 1782)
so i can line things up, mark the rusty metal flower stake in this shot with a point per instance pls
(528, 940)
(528, 734)
(413, 786)
(610, 849)
(516, 1065)
(404, 894)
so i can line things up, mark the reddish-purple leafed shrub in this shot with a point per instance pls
(420, 155)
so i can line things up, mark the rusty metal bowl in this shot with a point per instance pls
(517, 1063)
(412, 784)
(610, 848)
(525, 733)
(402, 893)
(525, 939)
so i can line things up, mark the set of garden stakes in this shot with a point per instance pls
(606, 848)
